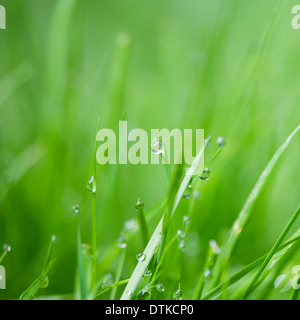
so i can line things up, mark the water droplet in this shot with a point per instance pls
(180, 233)
(139, 205)
(129, 293)
(54, 239)
(182, 245)
(177, 295)
(188, 192)
(141, 256)
(148, 273)
(130, 226)
(207, 275)
(160, 287)
(186, 220)
(91, 185)
(207, 141)
(157, 147)
(105, 284)
(144, 294)
(7, 248)
(214, 247)
(122, 243)
(237, 228)
(221, 142)
(44, 283)
(205, 175)
(75, 208)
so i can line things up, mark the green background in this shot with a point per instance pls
(228, 67)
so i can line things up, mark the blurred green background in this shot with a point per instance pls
(230, 67)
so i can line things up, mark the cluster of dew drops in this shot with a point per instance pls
(130, 226)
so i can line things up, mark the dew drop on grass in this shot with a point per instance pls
(207, 141)
(205, 175)
(105, 284)
(180, 233)
(186, 220)
(157, 147)
(214, 247)
(7, 248)
(160, 287)
(91, 185)
(144, 294)
(129, 293)
(45, 282)
(130, 226)
(221, 142)
(75, 208)
(148, 273)
(54, 239)
(207, 275)
(188, 192)
(182, 245)
(141, 256)
(122, 243)
(139, 205)
(177, 295)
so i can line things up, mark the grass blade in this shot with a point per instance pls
(245, 213)
(42, 280)
(272, 252)
(156, 236)
(239, 275)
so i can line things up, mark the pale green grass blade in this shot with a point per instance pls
(245, 213)
(156, 236)
(14, 80)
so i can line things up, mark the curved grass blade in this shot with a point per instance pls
(30, 293)
(245, 213)
(245, 271)
(272, 252)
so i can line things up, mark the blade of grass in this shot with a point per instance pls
(156, 236)
(14, 80)
(80, 259)
(245, 213)
(118, 274)
(30, 293)
(6, 250)
(94, 217)
(239, 275)
(272, 252)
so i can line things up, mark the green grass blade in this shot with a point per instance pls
(94, 217)
(80, 261)
(245, 213)
(272, 252)
(118, 274)
(245, 271)
(14, 80)
(31, 292)
(156, 236)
